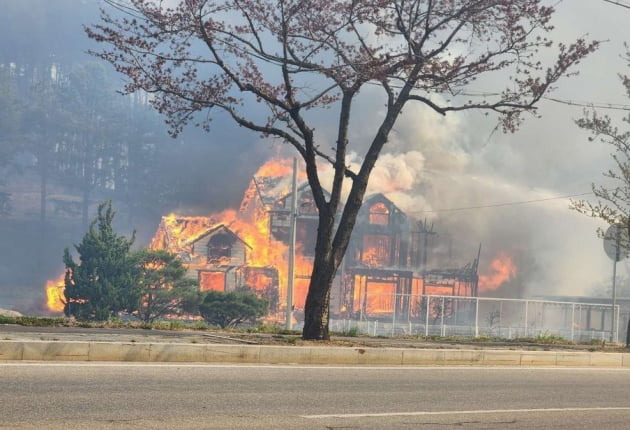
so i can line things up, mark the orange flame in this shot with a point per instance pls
(278, 168)
(251, 224)
(55, 294)
(502, 269)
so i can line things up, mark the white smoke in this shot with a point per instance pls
(431, 170)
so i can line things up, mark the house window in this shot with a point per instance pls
(379, 214)
(376, 250)
(220, 247)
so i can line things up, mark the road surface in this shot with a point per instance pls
(168, 396)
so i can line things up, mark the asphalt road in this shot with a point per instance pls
(149, 396)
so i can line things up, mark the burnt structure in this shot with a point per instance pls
(385, 270)
(226, 266)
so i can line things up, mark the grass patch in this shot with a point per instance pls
(270, 329)
(351, 332)
(545, 339)
(111, 323)
(35, 321)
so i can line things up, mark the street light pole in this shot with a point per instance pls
(613, 327)
(292, 231)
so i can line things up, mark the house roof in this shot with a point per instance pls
(220, 229)
(374, 198)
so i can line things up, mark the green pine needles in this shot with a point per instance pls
(111, 279)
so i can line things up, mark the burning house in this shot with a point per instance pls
(384, 271)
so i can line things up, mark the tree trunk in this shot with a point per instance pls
(327, 261)
(317, 309)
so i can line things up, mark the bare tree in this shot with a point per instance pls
(293, 57)
(613, 198)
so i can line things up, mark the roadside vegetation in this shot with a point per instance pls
(110, 281)
(277, 334)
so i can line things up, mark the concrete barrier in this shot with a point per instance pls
(284, 355)
(602, 359)
(423, 357)
(109, 351)
(11, 350)
(177, 352)
(232, 354)
(64, 351)
(538, 358)
(573, 359)
(269, 354)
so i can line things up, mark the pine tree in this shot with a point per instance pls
(163, 286)
(104, 282)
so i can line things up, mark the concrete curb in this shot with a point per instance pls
(266, 354)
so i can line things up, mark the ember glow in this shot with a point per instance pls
(54, 294)
(236, 247)
(502, 269)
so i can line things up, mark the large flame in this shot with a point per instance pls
(55, 294)
(502, 269)
(251, 224)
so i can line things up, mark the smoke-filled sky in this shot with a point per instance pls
(459, 161)
(556, 250)
(434, 164)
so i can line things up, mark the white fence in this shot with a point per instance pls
(473, 317)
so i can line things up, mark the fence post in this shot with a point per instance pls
(526, 306)
(442, 319)
(500, 316)
(477, 317)
(617, 325)
(394, 317)
(572, 321)
(426, 321)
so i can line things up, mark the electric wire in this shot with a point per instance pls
(495, 205)
(618, 3)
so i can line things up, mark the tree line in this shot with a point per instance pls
(111, 280)
(78, 133)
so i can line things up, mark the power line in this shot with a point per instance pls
(613, 106)
(588, 104)
(618, 3)
(496, 205)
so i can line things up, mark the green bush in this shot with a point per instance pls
(351, 332)
(229, 309)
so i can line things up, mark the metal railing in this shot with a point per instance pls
(468, 317)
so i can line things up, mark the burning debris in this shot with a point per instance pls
(55, 299)
(502, 269)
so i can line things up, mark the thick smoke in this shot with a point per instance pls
(431, 169)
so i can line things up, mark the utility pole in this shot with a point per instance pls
(292, 231)
(613, 323)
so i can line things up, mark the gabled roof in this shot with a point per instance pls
(220, 229)
(304, 186)
(380, 197)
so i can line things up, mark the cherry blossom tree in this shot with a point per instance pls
(205, 58)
